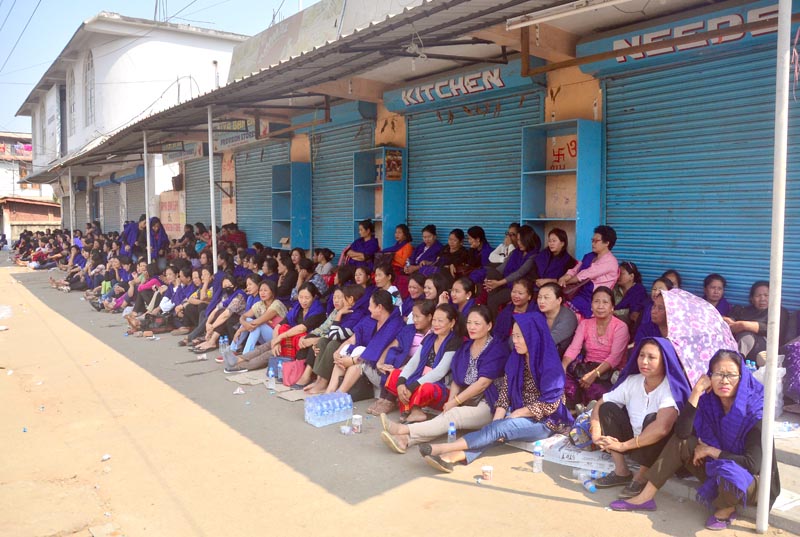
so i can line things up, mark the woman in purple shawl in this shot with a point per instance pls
(362, 251)
(554, 261)
(520, 264)
(480, 250)
(717, 439)
(159, 242)
(474, 368)
(636, 417)
(530, 403)
(426, 253)
(714, 293)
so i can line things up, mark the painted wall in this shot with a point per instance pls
(229, 185)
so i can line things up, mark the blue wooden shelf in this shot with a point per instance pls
(379, 190)
(291, 204)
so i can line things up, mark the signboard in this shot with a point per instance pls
(178, 151)
(172, 212)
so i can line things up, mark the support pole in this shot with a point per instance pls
(776, 258)
(71, 207)
(211, 188)
(147, 197)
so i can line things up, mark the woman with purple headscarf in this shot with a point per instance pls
(718, 440)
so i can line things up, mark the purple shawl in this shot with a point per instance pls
(295, 315)
(727, 432)
(676, 376)
(553, 266)
(635, 299)
(395, 247)
(516, 260)
(582, 302)
(425, 350)
(723, 306)
(158, 241)
(79, 260)
(505, 319)
(216, 295)
(240, 272)
(491, 364)
(481, 260)
(398, 356)
(128, 237)
(420, 254)
(545, 366)
(407, 306)
(376, 341)
(367, 247)
(182, 293)
(362, 304)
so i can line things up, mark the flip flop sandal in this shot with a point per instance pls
(391, 443)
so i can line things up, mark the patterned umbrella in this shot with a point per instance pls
(697, 331)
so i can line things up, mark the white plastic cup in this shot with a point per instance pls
(357, 421)
(486, 473)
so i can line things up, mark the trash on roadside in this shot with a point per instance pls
(41, 408)
(238, 391)
(105, 457)
(202, 357)
(3, 328)
(24, 429)
(153, 338)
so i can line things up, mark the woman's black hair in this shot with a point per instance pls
(426, 307)
(311, 288)
(327, 254)
(254, 277)
(228, 258)
(346, 274)
(631, 268)
(452, 315)
(273, 287)
(152, 270)
(387, 269)
(430, 228)
(353, 291)
(417, 277)
(299, 251)
(369, 225)
(756, 285)
(666, 281)
(484, 312)
(406, 232)
(674, 273)
(608, 234)
(383, 298)
(477, 232)
(529, 285)
(459, 233)
(722, 354)
(365, 270)
(230, 277)
(529, 239)
(186, 271)
(553, 286)
(468, 285)
(272, 264)
(440, 282)
(191, 253)
(201, 228)
(606, 290)
(715, 277)
(306, 263)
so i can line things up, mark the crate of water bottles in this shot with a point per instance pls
(328, 408)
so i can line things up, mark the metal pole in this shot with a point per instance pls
(71, 207)
(776, 258)
(211, 190)
(147, 197)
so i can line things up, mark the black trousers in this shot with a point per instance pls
(615, 421)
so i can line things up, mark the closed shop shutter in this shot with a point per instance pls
(135, 202)
(111, 221)
(65, 212)
(689, 172)
(254, 190)
(80, 211)
(198, 207)
(468, 172)
(332, 183)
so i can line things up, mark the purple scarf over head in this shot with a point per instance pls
(678, 383)
(545, 366)
(727, 432)
(491, 364)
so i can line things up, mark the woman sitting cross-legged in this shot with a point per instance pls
(364, 353)
(636, 417)
(530, 405)
(422, 382)
(257, 323)
(717, 439)
(474, 368)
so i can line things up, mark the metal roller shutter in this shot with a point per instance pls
(332, 183)
(134, 195)
(111, 221)
(468, 172)
(198, 208)
(80, 211)
(689, 172)
(254, 190)
(65, 212)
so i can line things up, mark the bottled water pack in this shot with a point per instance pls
(328, 408)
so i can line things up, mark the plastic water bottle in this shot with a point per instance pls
(538, 457)
(587, 482)
(451, 432)
(271, 380)
(280, 370)
(593, 474)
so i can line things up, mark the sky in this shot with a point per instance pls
(54, 22)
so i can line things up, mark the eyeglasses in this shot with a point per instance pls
(511, 234)
(730, 377)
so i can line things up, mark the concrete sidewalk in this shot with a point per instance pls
(190, 458)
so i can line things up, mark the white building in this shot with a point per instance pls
(114, 71)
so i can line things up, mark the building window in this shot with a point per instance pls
(88, 90)
(42, 129)
(71, 101)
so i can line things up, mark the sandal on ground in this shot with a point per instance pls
(198, 350)
(425, 449)
(613, 480)
(183, 343)
(632, 489)
(391, 443)
(436, 462)
(718, 524)
(622, 505)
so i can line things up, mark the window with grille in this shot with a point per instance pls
(88, 90)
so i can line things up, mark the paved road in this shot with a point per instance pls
(190, 458)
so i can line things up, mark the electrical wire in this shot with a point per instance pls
(7, 14)
(20, 36)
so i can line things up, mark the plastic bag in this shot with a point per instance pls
(759, 376)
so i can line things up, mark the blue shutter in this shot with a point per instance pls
(198, 206)
(468, 172)
(134, 196)
(254, 190)
(689, 172)
(65, 212)
(80, 211)
(111, 221)
(332, 183)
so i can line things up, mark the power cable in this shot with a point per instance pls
(7, 14)
(20, 36)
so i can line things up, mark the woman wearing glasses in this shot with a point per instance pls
(718, 439)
